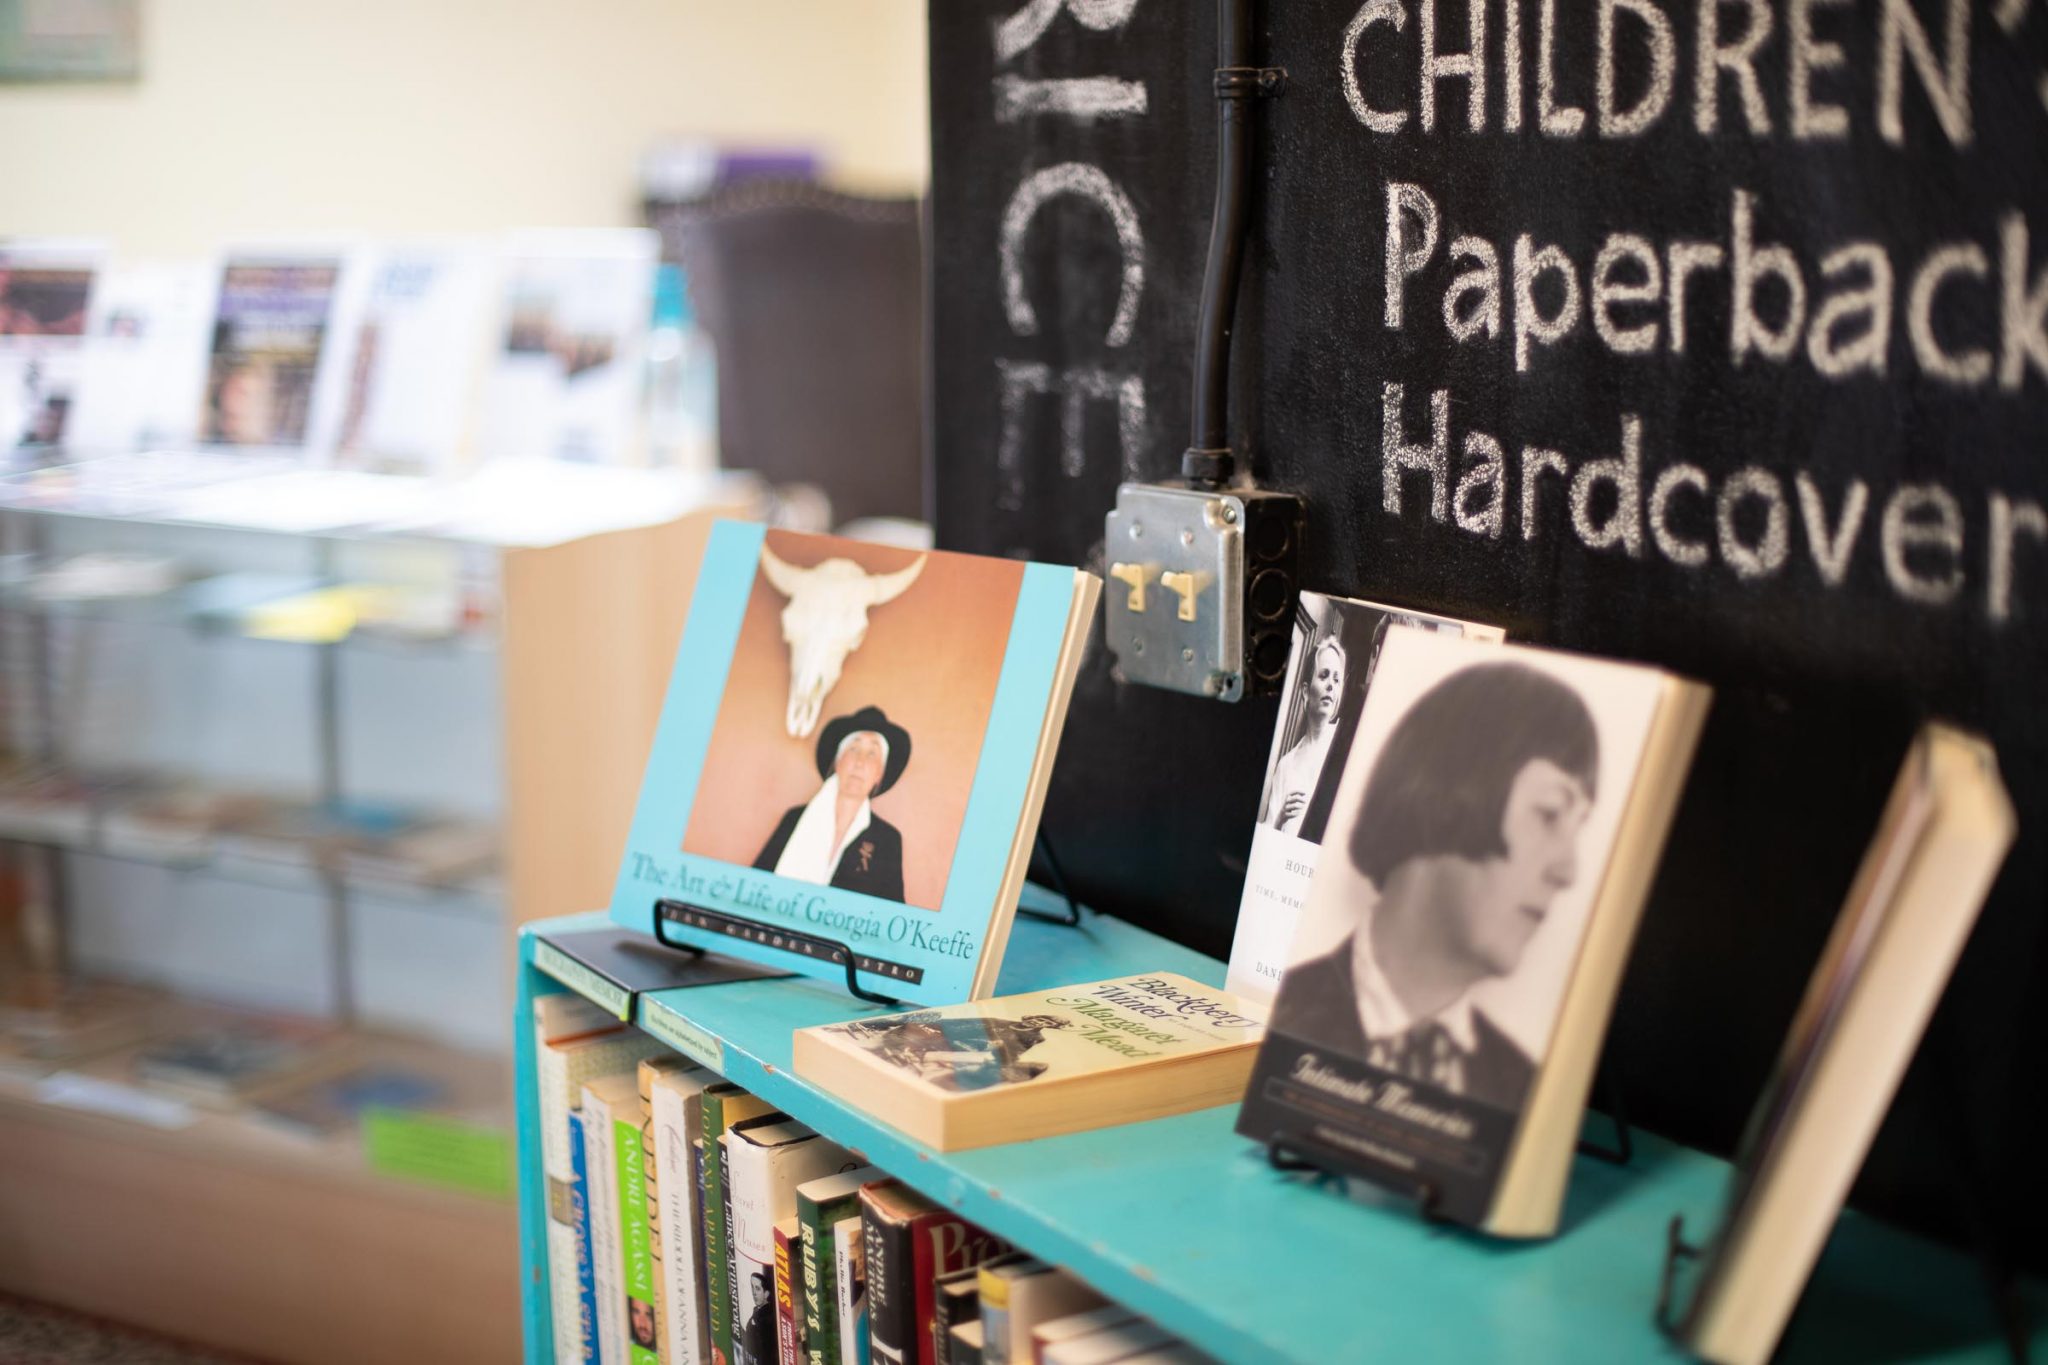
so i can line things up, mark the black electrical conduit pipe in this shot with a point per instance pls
(1209, 461)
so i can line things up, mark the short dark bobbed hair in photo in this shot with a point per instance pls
(1441, 782)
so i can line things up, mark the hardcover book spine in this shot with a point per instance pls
(604, 1229)
(850, 1280)
(735, 1307)
(650, 1184)
(718, 1301)
(892, 1298)
(942, 1329)
(684, 1338)
(582, 1323)
(635, 1255)
(703, 1250)
(562, 1252)
(556, 1107)
(994, 1289)
(995, 1324)
(821, 1287)
(788, 1335)
(943, 1243)
(760, 1183)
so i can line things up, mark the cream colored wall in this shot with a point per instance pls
(287, 117)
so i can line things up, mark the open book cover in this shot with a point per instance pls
(1035, 1065)
(1500, 817)
(1939, 845)
(1336, 646)
(851, 758)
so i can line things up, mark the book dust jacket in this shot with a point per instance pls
(850, 758)
(1478, 815)
(1040, 1039)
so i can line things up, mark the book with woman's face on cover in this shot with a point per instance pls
(1336, 645)
(272, 371)
(851, 758)
(1491, 840)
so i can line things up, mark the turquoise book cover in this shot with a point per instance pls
(850, 759)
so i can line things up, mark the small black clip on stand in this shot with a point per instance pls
(1608, 1096)
(1677, 1251)
(1293, 1154)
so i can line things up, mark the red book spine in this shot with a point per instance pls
(788, 1344)
(944, 1242)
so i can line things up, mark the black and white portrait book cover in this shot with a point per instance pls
(1486, 856)
(1336, 645)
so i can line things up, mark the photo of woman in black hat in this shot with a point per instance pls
(835, 838)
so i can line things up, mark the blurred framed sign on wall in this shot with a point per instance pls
(70, 40)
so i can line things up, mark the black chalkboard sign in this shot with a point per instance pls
(1709, 334)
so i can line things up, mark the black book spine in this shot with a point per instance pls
(953, 1303)
(892, 1298)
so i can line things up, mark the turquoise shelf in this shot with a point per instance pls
(1185, 1222)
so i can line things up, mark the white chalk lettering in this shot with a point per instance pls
(1399, 455)
(1738, 59)
(1663, 48)
(1405, 203)
(1086, 182)
(1372, 12)
(1923, 517)
(1028, 25)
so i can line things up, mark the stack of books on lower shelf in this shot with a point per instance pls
(688, 1221)
(131, 1052)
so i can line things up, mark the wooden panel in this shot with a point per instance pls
(280, 1260)
(590, 633)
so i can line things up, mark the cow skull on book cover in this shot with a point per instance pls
(851, 759)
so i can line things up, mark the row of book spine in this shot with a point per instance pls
(690, 1223)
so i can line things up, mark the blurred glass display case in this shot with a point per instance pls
(289, 755)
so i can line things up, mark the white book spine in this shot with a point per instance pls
(562, 1068)
(562, 1294)
(606, 1264)
(752, 1172)
(995, 1334)
(677, 1123)
(557, 1098)
(849, 1262)
(763, 1186)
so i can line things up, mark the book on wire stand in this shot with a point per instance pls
(847, 774)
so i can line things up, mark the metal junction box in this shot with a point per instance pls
(1200, 590)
